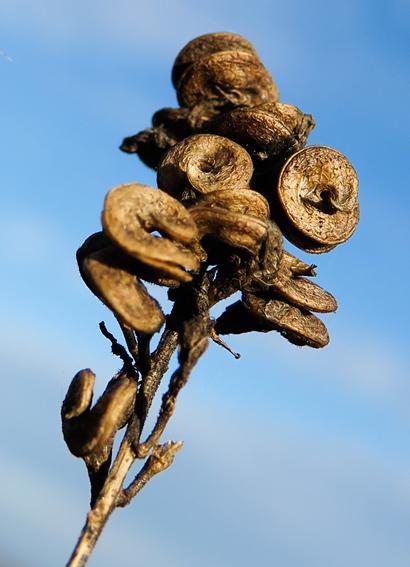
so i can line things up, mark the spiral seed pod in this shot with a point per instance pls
(289, 283)
(122, 292)
(271, 130)
(204, 163)
(205, 45)
(318, 194)
(224, 80)
(133, 211)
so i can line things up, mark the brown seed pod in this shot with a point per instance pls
(299, 326)
(133, 211)
(289, 283)
(258, 314)
(87, 431)
(150, 144)
(241, 231)
(174, 119)
(204, 163)
(224, 80)
(271, 130)
(99, 241)
(79, 394)
(205, 45)
(121, 291)
(318, 194)
(243, 201)
(266, 263)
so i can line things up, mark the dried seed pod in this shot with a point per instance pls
(258, 314)
(243, 201)
(271, 130)
(241, 231)
(150, 144)
(289, 283)
(94, 243)
(297, 325)
(205, 45)
(133, 211)
(79, 394)
(87, 431)
(173, 119)
(224, 80)
(121, 291)
(265, 265)
(204, 163)
(318, 194)
(99, 241)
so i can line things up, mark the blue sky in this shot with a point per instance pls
(292, 457)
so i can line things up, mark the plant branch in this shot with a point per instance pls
(160, 459)
(107, 498)
(118, 350)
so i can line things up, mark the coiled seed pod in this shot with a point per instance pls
(317, 191)
(205, 45)
(132, 212)
(202, 164)
(222, 81)
(271, 130)
(122, 292)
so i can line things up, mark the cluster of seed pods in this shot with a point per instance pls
(234, 177)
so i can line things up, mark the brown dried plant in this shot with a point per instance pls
(234, 177)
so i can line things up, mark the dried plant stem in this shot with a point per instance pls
(109, 496)
(192, 320)
(104, 505)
